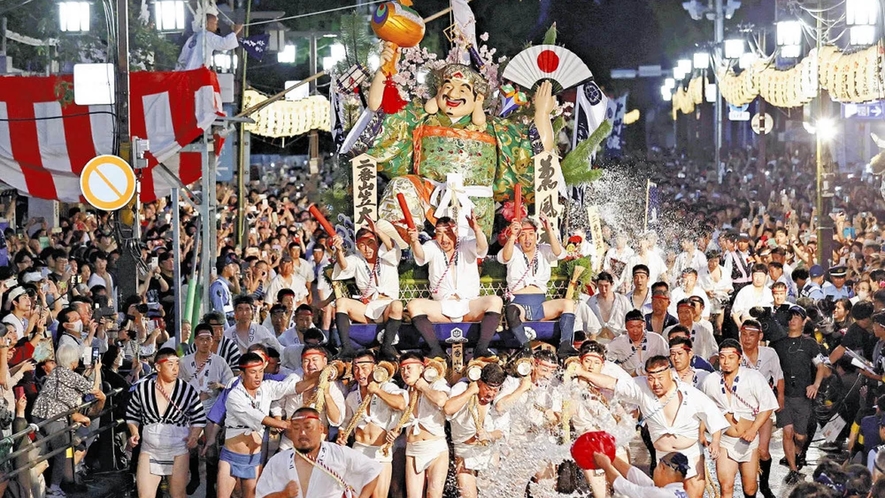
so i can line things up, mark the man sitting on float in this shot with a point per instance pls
(454, 285)
(374, 267)
(528, 273)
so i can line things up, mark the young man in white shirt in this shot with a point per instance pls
(631, 350)
(454, 285)
(374, 267)
(746, 399)
(528, 274)
(756, 294)
(244, 332)
(315, 468)
(609, 307)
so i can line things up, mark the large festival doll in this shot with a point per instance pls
(448, 152)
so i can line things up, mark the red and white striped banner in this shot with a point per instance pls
(46, 139)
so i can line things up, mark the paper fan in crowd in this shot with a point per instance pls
(547, 62)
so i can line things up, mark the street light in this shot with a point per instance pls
(789, 38)
(287, 55)
(710, 94)
(701, 60)
(734, 48)
(169, 15)
(684, 66)
(861, 17)
(225, 62)
(73, 16)
(666, 93)
(338, 54)
(670, 83)
(747, 60)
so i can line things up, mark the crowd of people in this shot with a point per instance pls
(702, 336)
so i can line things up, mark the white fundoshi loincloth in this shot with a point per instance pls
(163, 442)
(425, 452)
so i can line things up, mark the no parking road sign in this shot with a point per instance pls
(107, 182)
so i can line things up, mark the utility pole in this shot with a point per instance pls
(824, 223)
(242, 167)
(717, 50)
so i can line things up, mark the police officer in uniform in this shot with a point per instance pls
(812, 288)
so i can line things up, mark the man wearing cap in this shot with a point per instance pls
(812, 288)
(745, 398)
(454, 285)
(836, 289)
(207, 373)
(688, 288)
(314, 360)
(476, 423)
(640, 296)
(288, 278)
(373, 409)
(221, 289)
(804, 369)
(374, 267)
(667, 481)
(673, 412)
(660, 319)
(608, 306)
(701, 336)
(630, 350)
(314, 468)
(764, 360)
(245, 332)
(427, 451)
(248, 416)
(859, 338)
(751, 296)
(528, 273)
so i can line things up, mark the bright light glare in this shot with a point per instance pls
(169, 15)
(666, 94)
(861, 12)
(701, 60)
(862, 35)
(827, 128)
(748, 59)
(684, 65)
(710, 92)
(789, 38)
(287, 56)
(670, 83)
(734, 48)
(73, 16)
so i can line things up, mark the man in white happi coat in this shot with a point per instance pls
(673, 412)
(528, 273)
(245, 332)
(374, 267)
(688, 287)
(373, 409)
(608, 306)
(631, 350)
(207, 373)
(192, 57)
(248, 416)
(476, 425)
(427, 451)
(750, 296)
(680, 356)
(314, 361)
(746, 399)
(702, 340)
(315, 468)
(764, 360)
(454, 285)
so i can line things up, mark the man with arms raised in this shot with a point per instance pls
(528, 273)
(673, 412)
(454, 285)
(746, 399)
(373, 409)
(315, 468)
(374, 267)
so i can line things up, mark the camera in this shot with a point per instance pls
(142, 308)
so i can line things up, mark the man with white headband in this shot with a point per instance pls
(373, 409)
(764, 360)
(375, 269)
(747, 401)
(673, 412)
(454, 285)
(248, 416)
(528, 273)
(315, 468)
(332, 408)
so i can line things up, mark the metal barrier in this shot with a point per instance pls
(33, 428)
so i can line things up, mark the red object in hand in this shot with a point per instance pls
(517, 202)
(315, 212)
(406, 213)
(592, 442)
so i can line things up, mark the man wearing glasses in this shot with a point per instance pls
(673, 413)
